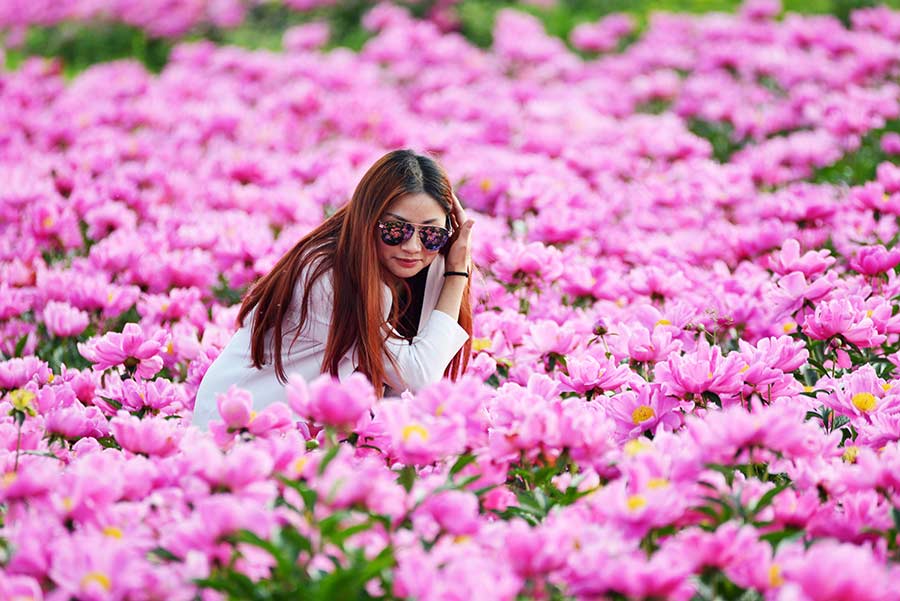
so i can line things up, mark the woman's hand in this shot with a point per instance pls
(459, 257)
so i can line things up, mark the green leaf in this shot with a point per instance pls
(775, 538)
(340, 537)
(329, 456)
(20, 346)
(294, 543)
(163, 554)
(407, 477)
(461, 463)
(766, 499)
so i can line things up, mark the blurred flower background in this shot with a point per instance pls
(686, 323)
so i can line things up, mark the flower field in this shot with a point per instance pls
(687, 324)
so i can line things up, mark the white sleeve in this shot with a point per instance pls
(423, 361)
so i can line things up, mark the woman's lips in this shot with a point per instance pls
(407, 262)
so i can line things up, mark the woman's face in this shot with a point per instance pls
(408, 258)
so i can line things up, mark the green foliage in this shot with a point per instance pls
(79, 46)
(859, 166)
(536, 492)
(720, 135)
(292, 575)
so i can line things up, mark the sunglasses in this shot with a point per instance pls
(433, 237)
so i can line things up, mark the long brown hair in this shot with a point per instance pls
(345, 243)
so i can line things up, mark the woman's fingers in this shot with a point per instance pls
(458, 210)
(461, 253)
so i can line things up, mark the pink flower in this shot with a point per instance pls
(603, 35)
(62, 319)
(516, 261)
(235, 407)
(782, 353)
(547, 336)
(131, 348)
(890, 143)
(703, 370)
(91, 567)
(331, 402)
(16, 372)
(888, 175)
(645, 408)
(416, 437)
(872, 260)
(149, 436)
(77, 421)
(646, 345)
(303, 38)
(588, 373)
(21, 588)
(840, 317)
(788, 259)
(859, 394)
(854, 573)
(455, 511)
(793, 290)
(538, 551)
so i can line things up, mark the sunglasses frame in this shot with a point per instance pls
(419, 228)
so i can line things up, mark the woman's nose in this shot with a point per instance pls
(412, 245)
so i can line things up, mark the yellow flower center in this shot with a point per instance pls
(745, 369)
(462, 538)
(850, 454)
(414, 429)
(789, 327)
(636, 446)
(170, 348)
(642, 414)
(663, 322)
(48, 222)
(657, 483)
(299, 464)
(886, 386)
(9, 478)
(21, 400)
(112, 532)
(68, 503)
(635, 502)
(98, 578)
(51, 378)
(485, 184)
(164, 307)
(807, 389)
(869, 313)
(775, 577)
(439, 410)
(480, 344)
(864, 401)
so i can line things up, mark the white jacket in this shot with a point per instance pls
(420, 362)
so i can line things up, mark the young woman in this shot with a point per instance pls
(381, 287)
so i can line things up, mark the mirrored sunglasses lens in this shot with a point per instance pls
(396, 232)
(433, 238)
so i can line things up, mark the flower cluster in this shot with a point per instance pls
(684, 374)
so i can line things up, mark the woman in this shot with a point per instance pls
(381, 287)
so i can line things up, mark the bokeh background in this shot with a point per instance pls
(84, 32)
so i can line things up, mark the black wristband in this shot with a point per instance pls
(462, 273)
